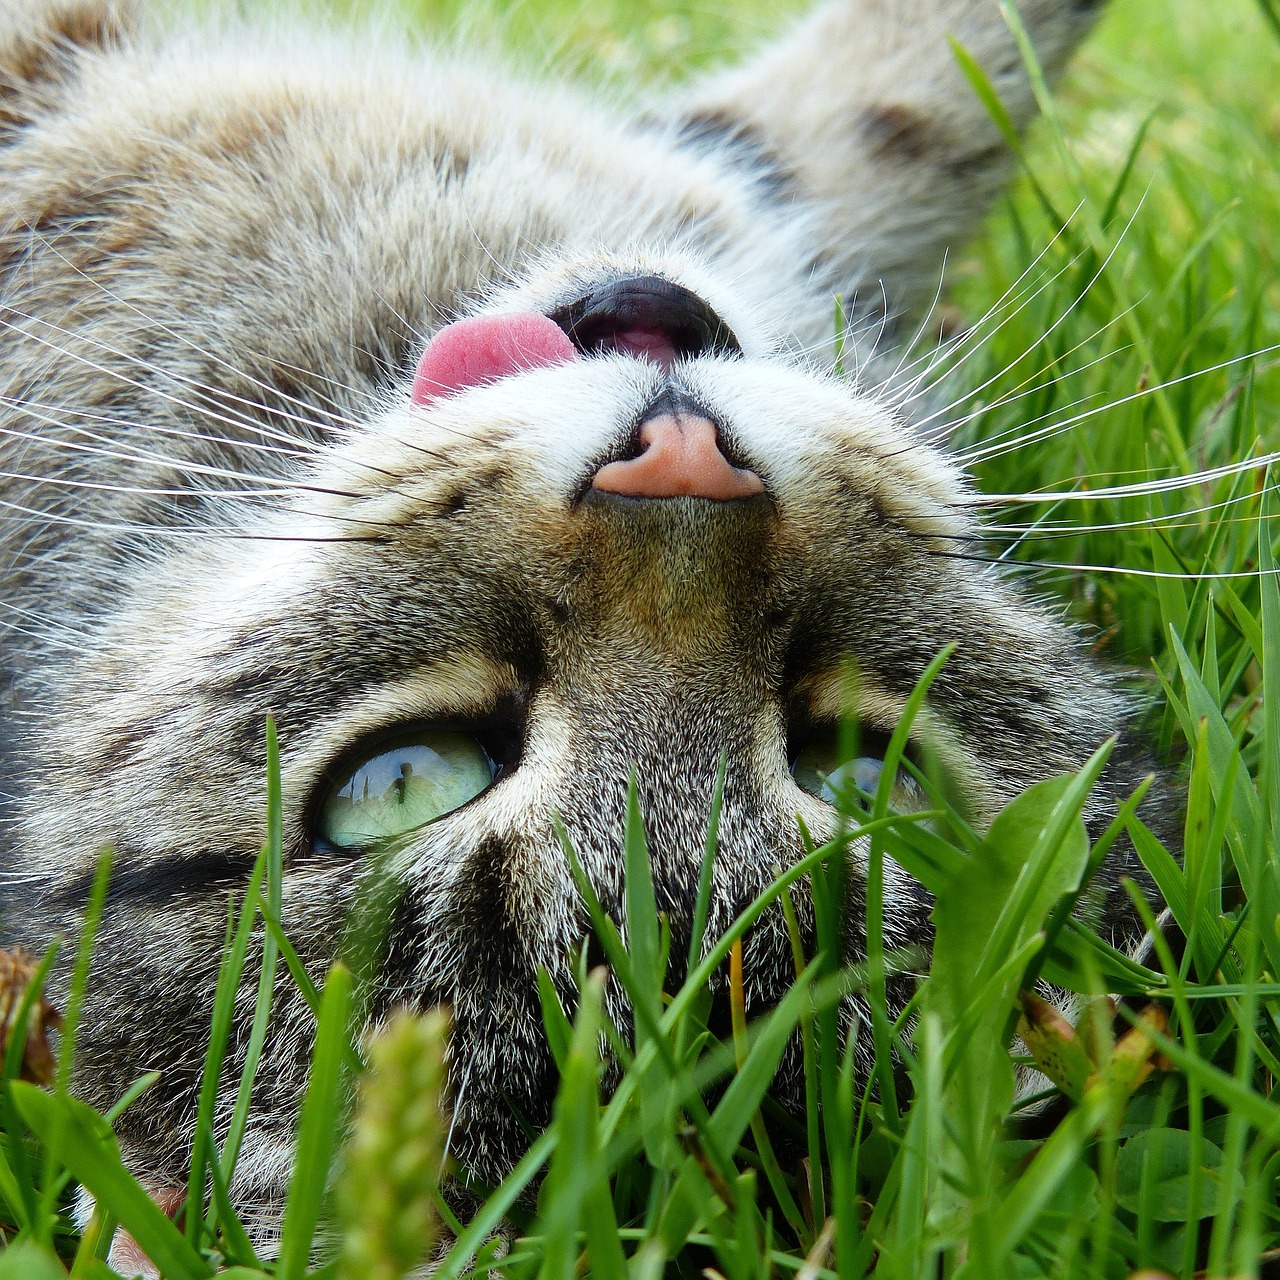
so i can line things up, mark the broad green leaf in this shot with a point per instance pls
(970, 908)
(29, 1261)
(1044, 831)
(1036, 851)
(1153, 1175)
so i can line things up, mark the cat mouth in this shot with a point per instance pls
(677, 450)
(648, 317)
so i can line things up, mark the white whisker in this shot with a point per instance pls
(980, 454)
(245, 420)
(1016, 436)
(977, 334)
(172, 332)
(47, 626)
(1115, 570)
(453, 1117)
(106, 447)
(1041, 337)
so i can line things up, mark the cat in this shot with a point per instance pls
(489, 439)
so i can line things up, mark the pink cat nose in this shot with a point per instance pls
(680, 458)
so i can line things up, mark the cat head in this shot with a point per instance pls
(622, 526)
(479, 613)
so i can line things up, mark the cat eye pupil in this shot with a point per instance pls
(403, 786)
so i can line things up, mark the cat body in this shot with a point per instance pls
(222, 497)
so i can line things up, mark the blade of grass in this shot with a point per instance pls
(274, 855)
(17, 1179)
(877, 996)
(234, 950)
(318, 1128)
(88, 1148)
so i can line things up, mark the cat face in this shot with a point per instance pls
(448, 599)
(468, 628)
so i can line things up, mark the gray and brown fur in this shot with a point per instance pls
(222, 252)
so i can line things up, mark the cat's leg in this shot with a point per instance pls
(862, 114)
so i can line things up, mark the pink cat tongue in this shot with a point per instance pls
(483, 349)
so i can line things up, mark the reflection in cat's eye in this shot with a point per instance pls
(405, 787)
(819, 770)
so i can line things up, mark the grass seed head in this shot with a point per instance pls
(386, 1195)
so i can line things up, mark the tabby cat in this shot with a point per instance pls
(490, 440)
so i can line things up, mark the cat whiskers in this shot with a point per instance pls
(65, 416)
(459, 1097)
(1011, 303)
(242, 422)
(248, 420)
(152, 322)
(1029, 386)
(152, 532)
(106, 447)
(924, 326)
(44, 630)
(985, 452)
(1113, 570)
(946, 429)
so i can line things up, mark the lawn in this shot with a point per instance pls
(1116, 382)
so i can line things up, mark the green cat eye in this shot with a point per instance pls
(820, 771)
(404, 787)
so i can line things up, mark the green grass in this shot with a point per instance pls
(1154, 198)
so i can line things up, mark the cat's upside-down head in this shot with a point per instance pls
(478, 589)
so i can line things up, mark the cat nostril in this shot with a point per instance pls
(680, 457)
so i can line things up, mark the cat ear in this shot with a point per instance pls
(42, 43)
(483, 349)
